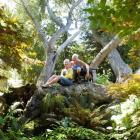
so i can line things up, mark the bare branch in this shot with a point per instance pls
(69, 40)
(17, 2)
(69, 18)
(109, 47)
(53, 17)
(74, 6)
(105, 51)
(58, 34)
(36, 23)
(66, 27)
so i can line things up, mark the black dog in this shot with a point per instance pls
(80, 73)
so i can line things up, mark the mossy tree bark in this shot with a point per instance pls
(86, 95)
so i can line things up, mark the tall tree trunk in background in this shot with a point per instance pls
(119, 67)
(105, 51)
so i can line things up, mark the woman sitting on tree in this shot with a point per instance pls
(66, 77)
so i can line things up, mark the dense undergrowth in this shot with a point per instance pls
(118, 120)
(123, 90)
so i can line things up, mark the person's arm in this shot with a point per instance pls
(62, 72)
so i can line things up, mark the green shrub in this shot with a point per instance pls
(123, 90)
(102, 79)
(77, 133)
(52, 102)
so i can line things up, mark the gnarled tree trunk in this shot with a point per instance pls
(85, 95)
(105, 51)
(119, 67)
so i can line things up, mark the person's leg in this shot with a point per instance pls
(54, 80)
(65, 81)
(49, 80)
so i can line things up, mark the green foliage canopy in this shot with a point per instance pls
(118, 16)
(115, 15)
(12, 39)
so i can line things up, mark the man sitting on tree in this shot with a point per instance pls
(80, 69)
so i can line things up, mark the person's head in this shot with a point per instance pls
(66, 62)
(75, 57)
(72, 63)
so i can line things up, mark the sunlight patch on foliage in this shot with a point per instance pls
(15, 79)
(128, 113)
(123, 90)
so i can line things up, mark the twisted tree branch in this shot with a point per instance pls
(53, 17)
(58, 21)
(69, 40)
(36, 23)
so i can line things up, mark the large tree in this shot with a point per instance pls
(120, 19)
(61, 26)
(98, 9)
(19, 49)
(118, 65)
(105, 15)
(12, 41)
